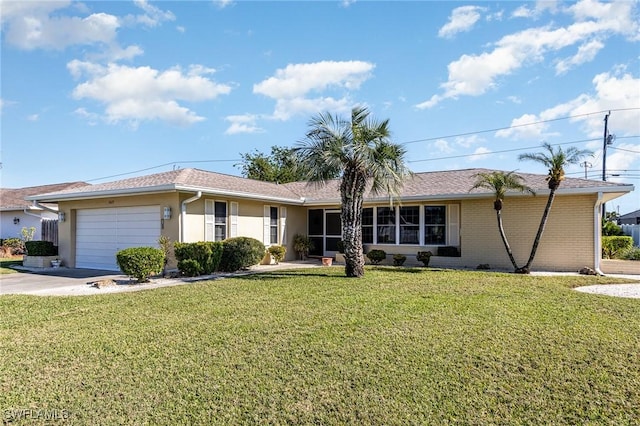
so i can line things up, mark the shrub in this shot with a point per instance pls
(340, 246)
(277, 252)
(140, 262)
(399, 259)
(40, 248)
(632, 253)
(614, 245)
(377, 256)
(206, 253)
(611, 229)
(15, 244)
(241, 253)
(424, 257)
(302, 245)
(190, 267)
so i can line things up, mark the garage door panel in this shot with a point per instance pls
(101, 233)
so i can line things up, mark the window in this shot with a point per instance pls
(273, 225)
(410, 225)
(386, 225)
(367, 225)
(215, 220)
(435, 228)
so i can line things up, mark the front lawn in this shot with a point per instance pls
(400, 346)
(7, 263)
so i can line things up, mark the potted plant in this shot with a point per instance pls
(55, 263)
(424, 257)
(302, 245)
(277, 253)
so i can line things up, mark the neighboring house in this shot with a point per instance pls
(632, 218)
(435, 210)
(17, 213)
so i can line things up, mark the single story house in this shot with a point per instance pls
(434, 210)
(632, 218)
(17, 213)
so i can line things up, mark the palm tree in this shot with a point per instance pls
(555, 161)
(360, 152)
(499, 183)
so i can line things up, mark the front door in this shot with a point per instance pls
(332, 232)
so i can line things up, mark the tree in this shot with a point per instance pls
(555, 160)
(281, 166)
(360, 152)
(499, 183)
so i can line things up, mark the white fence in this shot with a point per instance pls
(633, 231)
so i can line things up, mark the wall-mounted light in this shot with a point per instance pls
(61, 217)
(16, 220)
(166, 213)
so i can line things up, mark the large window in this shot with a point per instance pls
(386, 217)
(367, 225)
(435, 228)
(410, 225)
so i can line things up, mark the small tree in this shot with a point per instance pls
(28, 233)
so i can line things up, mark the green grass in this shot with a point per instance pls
(7, 263)
(400, 346)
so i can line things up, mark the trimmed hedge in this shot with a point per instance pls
(41, 248)
(614, 245)
(240, 253)
(140, 262)
(377, 256)
(204, 257)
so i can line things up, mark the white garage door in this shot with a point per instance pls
(101, 233)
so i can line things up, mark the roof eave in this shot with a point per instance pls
(241, 194)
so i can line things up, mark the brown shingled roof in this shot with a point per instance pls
(14, 198)
(429, 185)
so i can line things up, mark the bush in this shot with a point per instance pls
(190, 267)
(40, 248)
(399, 259)
(632, 253)
(140, 262)
(340, 246)
(614, 245)
(611, 229)
(377, 256)
(424, 257)
(16, 245)
(302, 245)
(206, 253)
(277, 252)
(241, 253)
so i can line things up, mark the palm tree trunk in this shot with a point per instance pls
(543, 222)
(504, 239)
(352, 192)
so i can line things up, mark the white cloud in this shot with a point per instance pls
(474, 75)
(462, 19)
(479, 154)
(468, 141)
(243, 124)
(622, 159)
(223, 3)
(33, 117)
(136, 94)
(443, 146)
(586, 53)
(291, 86)
(152, 17)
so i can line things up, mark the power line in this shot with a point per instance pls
(516, 126)
(159, 166)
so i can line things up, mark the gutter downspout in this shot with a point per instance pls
(25, 211)
(183, 212)
(597, 239)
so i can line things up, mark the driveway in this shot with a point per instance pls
(81, 282)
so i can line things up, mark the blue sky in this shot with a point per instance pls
(98, 91)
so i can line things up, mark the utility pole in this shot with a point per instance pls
(586, 165)
(607, 140)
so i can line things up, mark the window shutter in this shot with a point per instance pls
(266, 237)
(233, 229)
(283, 226)
(209, 218)
(453, 224)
